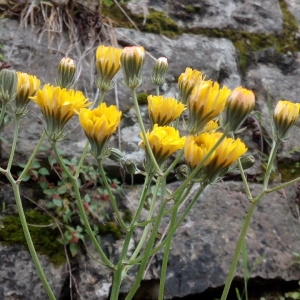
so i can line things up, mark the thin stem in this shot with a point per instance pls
(28, 238)
(14, 143)
(282, 186)
(111, 196)
(150, 243)
(82, 212)
(83, 155)
(238, 249)
(272, 157)
(121, 268)
(163, 273)
(141, 123)
(3, 110)
(246, 185)
(32, 157)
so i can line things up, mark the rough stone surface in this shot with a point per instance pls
(252, 16)
(203, 247)
(18, 276)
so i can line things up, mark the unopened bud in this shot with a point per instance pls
(239, 105)
(159, 71)
(182, 172)
(66, 73)
(8, 85)
(130, 167)
(132, 60)
(115, 154)
(247, 161)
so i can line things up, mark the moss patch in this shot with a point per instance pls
(44, 238)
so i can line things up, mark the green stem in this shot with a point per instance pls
(3, 110)
(141, 123)
(163, 273)
(272, 157)
(14, 143)
(82, 212)
(282, 186)
(238, 249)
(111, 196)
(28, 238)
(29, 163)
(247, 221)
(83, 155)
(151, 240)
(122, 268)
(246, 185)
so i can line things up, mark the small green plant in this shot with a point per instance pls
(53, 182)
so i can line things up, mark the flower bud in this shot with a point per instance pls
(115, 154)
(132, 60)
(247, 161)
(66, 73)
(27, 87)
(285, 116)
(182, 172)
(130, 167)
(159, 71)
(107, 66)
(187, 81)
(8, 85)
(238, 106)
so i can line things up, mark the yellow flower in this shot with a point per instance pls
(285, 116)
(238, 106)
(66, 73)
(163, 111)
(197, 147)
(27, 87)
(107, 65)
(59, 106)
(206, 101)
(226, 154)
(99, 125)
(187, 81)
(211, 126)
(164, 141)
(132, 60)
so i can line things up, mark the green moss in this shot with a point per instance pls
(111, 228)
(156, 22)
(44, 238)
(289, 171)
(190, 9)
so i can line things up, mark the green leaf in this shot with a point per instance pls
(44, 171)
(73, 249)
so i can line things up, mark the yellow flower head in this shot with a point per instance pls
(285, 116)
(164, 141)
(187, 81)
(211, 126)
(132, 60)
(99, 125)
(226, 154)
(58, 106)
(197, 147)
(66, 73)
(206, 101)
(27, 87)
(163, 111)
(238, 106)
(107, 65)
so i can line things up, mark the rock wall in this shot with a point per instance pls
(204, 246)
